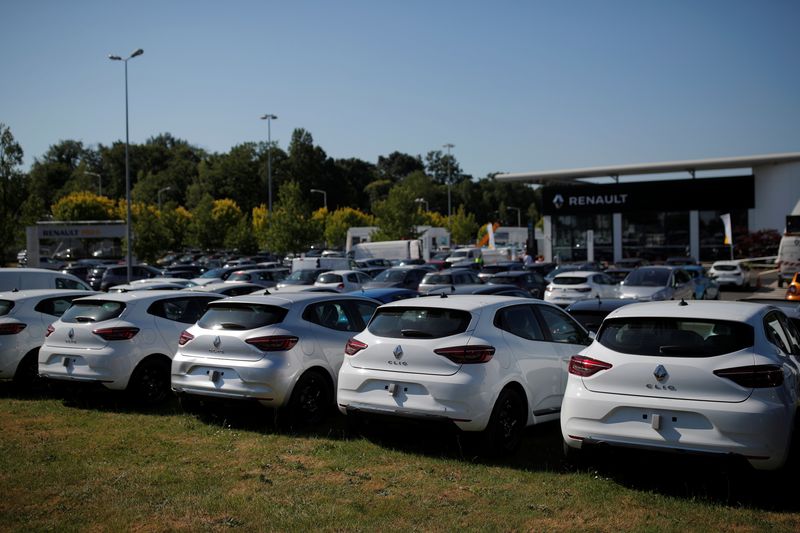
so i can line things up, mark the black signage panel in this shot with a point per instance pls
(702, 194)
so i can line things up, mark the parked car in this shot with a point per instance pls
(618, 274)
(793, 291)
(302, 277)
(283, 350)
(229, 288)
(631, 262)
(522, 279)
(590, 313)
(267, 277)
(705, 287)
(123, 341)
(373, 266)
(342, 280)
(572, 267)
(156, 286)
(719, 378)
(481, 288)
(657, 283)
(51, 263)
(408, 277)
(24, 317)
(487, 271)
(446, 278)
(570, 287)
(733, 273)
(118, 274)
(541, 268)
(220, 274)
(490, 364)
(388, 294)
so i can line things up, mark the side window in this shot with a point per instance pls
(362, 311)
(681, 277)
(519, 320)
(792, 335)
(54, 306)
(184, 310)
(352, 278)
(330, 315)
(775, 333)
(560, 327)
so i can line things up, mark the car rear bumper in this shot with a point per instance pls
(102, 366)
(759, 429)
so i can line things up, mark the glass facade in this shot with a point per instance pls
(655, 236)
(712, 233)
(569, 237)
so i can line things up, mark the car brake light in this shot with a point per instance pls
(586, 366)
(353, 347)
(116, 334)
(754, 377)
(185, 337)
(273, 343)
(465, 355)
(12, 329)
(50, 329)
(340, 286)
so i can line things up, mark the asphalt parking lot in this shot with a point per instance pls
(768, 289)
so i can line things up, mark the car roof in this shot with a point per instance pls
(512, 274)
(144, 295)
(733, 263)
(288, 298)
(576, 274)
(210, 287)
(708, 310)
(790, 307)
(41, 293)
(341, 272)
(465, 302)
(605, 304)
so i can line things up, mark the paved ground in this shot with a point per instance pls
(769, 289)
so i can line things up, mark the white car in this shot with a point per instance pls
(24, 317)
(570, 287)
(700, 377)
(124, 341)
(342, 280)
(491, 364)
(735, 273)
(283, 350)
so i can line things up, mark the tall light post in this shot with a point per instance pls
(99, 181)
(449, 203)
(421, 201)
(128, 252)
(269, 118)
(519, 220)
(324, 197)
(159, 196)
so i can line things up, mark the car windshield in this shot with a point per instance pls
(391, 275)
(92, 311)
(303, 275)
(329, 278)
(647, 277)
(570, 280)
(418, 322)
(675, 337)
(726, 268)
(432, 279)
(5, 307)
(241, 316)
(213, 273)
(239, 276)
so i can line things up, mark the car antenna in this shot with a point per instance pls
(682, 302)
(443, 295)
(266, 292)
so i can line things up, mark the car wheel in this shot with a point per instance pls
(504, 432)
(150, 383)
(311, 399)
(26, 378)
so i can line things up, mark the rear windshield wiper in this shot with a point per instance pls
(684, 350)
(232, 325)
(84, 319)
(415, 333)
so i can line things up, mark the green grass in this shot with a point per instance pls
(93, 462)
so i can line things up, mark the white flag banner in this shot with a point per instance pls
(726, 221)
(490, 231)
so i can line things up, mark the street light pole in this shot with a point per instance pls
(99, 181)
(128, 252)
(422, 200)
(159, 196)
(449, 202)
(269, 118)
(519, 220)
(324, 196)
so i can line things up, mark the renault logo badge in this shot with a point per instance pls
(398, 352)
(217, 342)
(558, 201)
(660, 373)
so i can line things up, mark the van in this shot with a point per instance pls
(788, 258)
(38, 278)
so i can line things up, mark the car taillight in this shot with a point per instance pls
(755, 377)
(11, 329)
(586, 366)
(353, 347)
(50, 329)
(185, 337)
(273, 343)
(340, 286)
(465, 355)
(116, 334)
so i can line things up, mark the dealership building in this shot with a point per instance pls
(661, 210)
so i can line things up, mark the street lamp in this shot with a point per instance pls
(449, 203)
(99, 181)
(519, 220)
(422, 200)
(128, 253)
(269, 118)
(324, 196)
(159, 196)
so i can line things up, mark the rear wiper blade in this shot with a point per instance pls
(231, 325)
(415, 333)
(686, 350)
(85, 319)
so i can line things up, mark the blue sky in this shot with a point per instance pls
(516, 86)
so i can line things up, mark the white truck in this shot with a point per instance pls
(406, 249)
(489, 256)
(332, 263)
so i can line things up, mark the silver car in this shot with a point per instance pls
(657, 283)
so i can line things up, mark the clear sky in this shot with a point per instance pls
(515, 85)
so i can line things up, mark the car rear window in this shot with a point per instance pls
(418, 322)
(645, 277)
(675, 337)
(433, 279)
(6, 306)
(726, 268)
(329, 278)
(391, 275)
(590, 320)
(92, 311)
(241, 316)
(570, 280)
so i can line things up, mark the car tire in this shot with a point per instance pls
(26, 378)
(150, 383)
(311, 400)
(503, 434)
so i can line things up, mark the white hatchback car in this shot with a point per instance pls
(342, 280)
(24, 317)
(283, 350)
(491, 364)
(124, 341)
(570, 287)
(702, 377)
(735, 273)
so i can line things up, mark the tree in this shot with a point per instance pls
(398, 165)
(226, 216)
(397, 216)
(441, 165)
(12, 190)
(149, 233)
(462, 226)
(201, 230)
(84, 206)
(344, 218)
(241, 237)
(289, 228)
(177, 223)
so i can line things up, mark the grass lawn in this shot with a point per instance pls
(90, 461)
